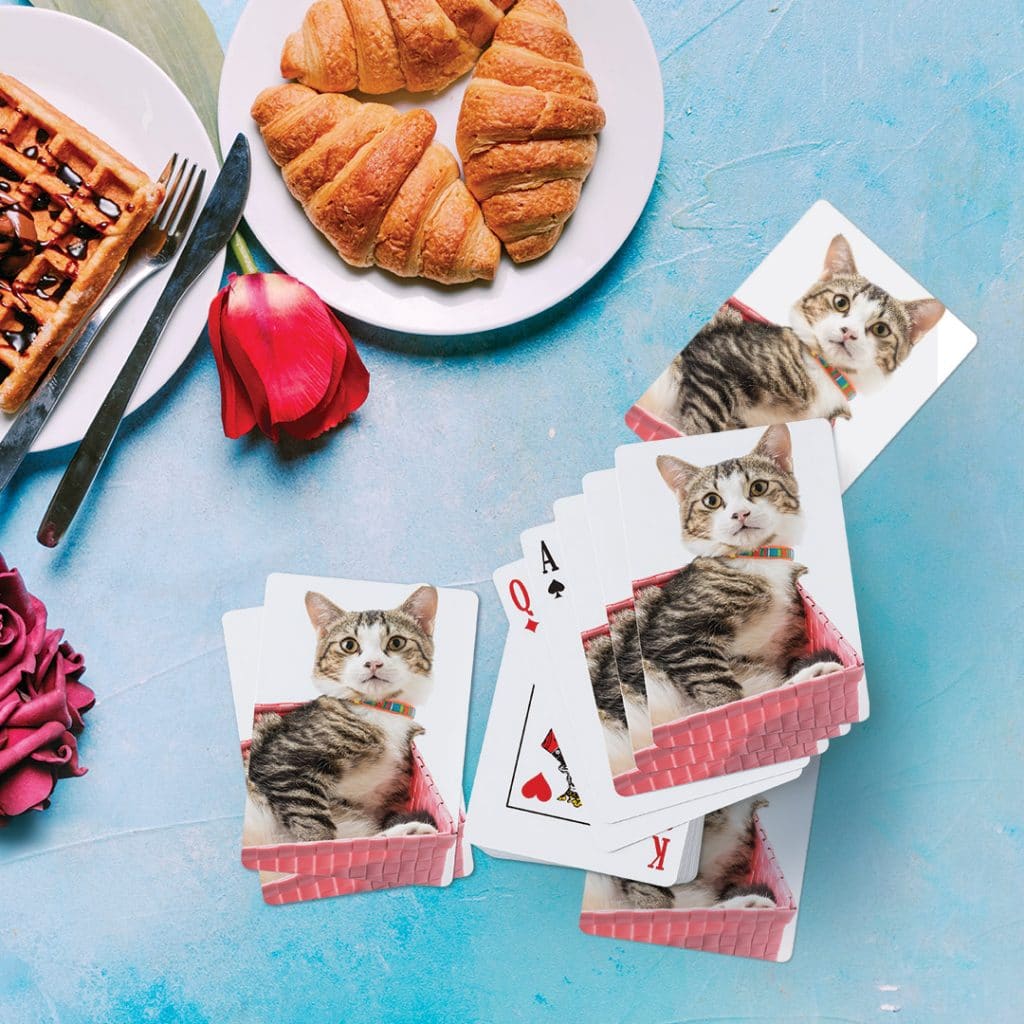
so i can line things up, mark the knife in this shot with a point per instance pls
(217, 223)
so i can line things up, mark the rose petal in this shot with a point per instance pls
(17, 744)
(26, 788)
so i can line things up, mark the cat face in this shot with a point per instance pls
(377, 655)
(739, 503)
(857, 326)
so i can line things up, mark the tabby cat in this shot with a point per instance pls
(339, 767)
(739, 373)
(722, 882)
(727, 626)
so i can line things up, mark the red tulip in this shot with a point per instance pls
(285, 360)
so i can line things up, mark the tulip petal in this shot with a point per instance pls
(278, 334)
(350, 385)
(235, 408)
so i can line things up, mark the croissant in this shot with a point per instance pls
(527, 130)
(377, 185)
(379, 46)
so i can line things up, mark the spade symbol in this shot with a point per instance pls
(555, 588)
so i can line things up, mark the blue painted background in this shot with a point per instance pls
(126, 903)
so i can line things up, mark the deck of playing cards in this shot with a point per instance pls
(683, 640)
(352, 701)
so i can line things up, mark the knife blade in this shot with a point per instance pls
(217, 222)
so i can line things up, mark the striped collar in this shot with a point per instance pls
(395, 707)
(765, 552)
(839, 378)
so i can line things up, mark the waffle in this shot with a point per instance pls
(70, 208)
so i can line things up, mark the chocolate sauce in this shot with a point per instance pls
(20, 340)
(68, 176)
(108, 207)
(20, 243)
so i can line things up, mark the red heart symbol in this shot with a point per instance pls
(538, 788)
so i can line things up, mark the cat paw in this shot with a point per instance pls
(410, 828)
(748, 901)
(815, 671)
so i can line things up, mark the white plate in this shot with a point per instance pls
(129, 102)
(621, 58)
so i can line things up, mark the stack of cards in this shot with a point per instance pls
(352, 700)
(683, 639)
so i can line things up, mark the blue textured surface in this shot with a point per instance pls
(126, 902)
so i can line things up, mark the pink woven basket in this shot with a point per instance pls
(649, 427)
(377, 860)
(754, 933)
(769, 728)
(299, 888)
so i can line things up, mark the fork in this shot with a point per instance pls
(149, 254)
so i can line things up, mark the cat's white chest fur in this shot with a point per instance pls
(764, 637)
(370, 782)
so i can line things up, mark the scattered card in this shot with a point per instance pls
(827, 326)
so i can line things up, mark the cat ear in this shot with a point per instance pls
(839, 260)
(422, 606)
(676, 473)
(924, 315)
(321, 611)
(726, 314)
(778, 446)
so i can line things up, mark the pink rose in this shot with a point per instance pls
(41, 701)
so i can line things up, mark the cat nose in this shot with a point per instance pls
(742, 516)
(848, 334)
(373, 665)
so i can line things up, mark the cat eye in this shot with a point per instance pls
(841, 303)
(711, 500)
(880, 330)
(396, 643)
(349, 645)
(758, 488)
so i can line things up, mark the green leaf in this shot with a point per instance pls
(178, 36)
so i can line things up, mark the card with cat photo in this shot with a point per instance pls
(827, 326)
(607, 534)
(580, 560)
(356, 759)
(529, 801)
(744, 609)
(747, 893)
(632, 771)
(242, 637)
(559, 653)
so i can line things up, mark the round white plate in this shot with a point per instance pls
(620, 57)
(130, 103)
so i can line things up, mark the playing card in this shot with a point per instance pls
(557, 654)
(580, 564)
(604, 523)
(398, 660)
(528, 803)
(747, 893)
(827, 326)
(726, 534)
(242, 637)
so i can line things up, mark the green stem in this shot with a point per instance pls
(243, 254)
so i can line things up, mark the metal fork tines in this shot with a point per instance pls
(152, 251)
